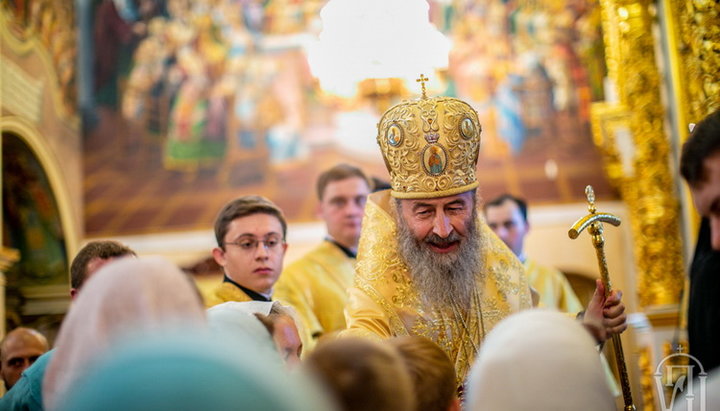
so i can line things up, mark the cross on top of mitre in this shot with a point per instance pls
(422, 81)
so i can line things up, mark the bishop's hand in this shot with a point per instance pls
(605, 317)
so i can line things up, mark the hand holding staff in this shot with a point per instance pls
(593, 223)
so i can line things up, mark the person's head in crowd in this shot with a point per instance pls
(506, 215)
(190, 373)
(270, 324)
(342, 192)
(700, 167)
(91, 258)
(557, 369)
(250, 233)
(18, 351)
(432, 373)
(363, 374)
(127, 298)
(280, 323)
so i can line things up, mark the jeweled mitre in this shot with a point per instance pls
(430, 147)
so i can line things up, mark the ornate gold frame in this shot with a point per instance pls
(645, 180)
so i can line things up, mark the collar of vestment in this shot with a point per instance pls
(256, 296)
(348, 252)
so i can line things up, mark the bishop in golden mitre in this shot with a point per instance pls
(428, 264)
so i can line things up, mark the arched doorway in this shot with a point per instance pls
(37, 285)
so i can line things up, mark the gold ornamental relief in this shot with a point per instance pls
(696, 27)
(641, 173)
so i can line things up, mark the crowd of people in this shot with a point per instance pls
(411, 302)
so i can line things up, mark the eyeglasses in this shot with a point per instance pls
(250, 244)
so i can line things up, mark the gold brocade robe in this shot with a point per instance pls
(316, 286)
(225, 292)
(554, 289)
(383, 302)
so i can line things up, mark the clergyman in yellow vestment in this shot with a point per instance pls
(316, 284)
(427, 262)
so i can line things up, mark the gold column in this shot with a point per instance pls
(640, 165)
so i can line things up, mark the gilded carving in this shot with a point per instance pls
(642, 174)
(697, 27)
(646, 368)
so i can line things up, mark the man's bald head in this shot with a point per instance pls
(18, 351)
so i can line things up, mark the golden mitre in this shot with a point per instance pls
(430, 146)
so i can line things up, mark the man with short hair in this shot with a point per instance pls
(428, 264)
(90, 258)
(18, 351)
(27, 393)
(700, 167)
(250, 233)
(316, 284)
(506, 215)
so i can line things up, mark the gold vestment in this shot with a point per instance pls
(554, 289)
(225, 292)
(316, 286)
(383, 302)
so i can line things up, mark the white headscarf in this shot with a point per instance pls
(127, 297)
(539, 360)
(235, 321)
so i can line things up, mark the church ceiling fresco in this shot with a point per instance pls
(197, 102)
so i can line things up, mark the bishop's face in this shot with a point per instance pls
(440, 243)
(441, 224)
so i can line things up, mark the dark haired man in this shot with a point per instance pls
(90, 258)
(700, 166)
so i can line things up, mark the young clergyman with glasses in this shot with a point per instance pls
(250, 233)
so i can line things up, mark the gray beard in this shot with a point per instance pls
(443, 280)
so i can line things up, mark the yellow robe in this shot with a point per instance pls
(554, 289)
(383, 302)
(316, 286)
(226, 292)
